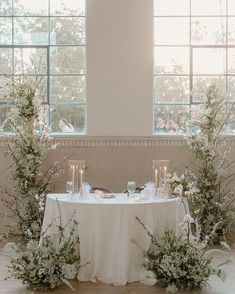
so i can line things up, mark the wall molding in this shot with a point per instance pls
(99, 141)
(119, 141)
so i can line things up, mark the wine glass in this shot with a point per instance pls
(131, 187)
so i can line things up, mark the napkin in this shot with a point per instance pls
(86, 189)
(149, 189)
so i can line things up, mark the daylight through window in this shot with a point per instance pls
(194, 46)
(51, 35)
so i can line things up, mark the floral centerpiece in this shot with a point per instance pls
(180, 186)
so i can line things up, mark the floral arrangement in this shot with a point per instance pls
(27, 148)
(214, 201)
(180, 262)
(46, 264)
(179, 186)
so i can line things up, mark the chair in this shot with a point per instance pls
(105, 190)
(137, 190)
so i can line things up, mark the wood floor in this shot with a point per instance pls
(216, 285)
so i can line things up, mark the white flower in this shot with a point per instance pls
(188, 219)
(172, 289)
(147, 278)
(54, 146)
(175, 178)
(70, 271)
(11, 249)
(32, 244)
(179, 190)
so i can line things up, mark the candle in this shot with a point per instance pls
(156, 180)
(165, 174)
(73, 177)
(81, 181)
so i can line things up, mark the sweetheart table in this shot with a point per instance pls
(107, 228)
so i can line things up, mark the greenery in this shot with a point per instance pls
(27, 148)
(180, 262)
(49, 263)
(214, 202)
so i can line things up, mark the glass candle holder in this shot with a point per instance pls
(81, 175)
(160, 169)
(73, 175)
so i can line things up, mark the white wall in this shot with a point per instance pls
(119, 67)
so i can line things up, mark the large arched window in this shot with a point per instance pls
(51, 35)
(194, 45)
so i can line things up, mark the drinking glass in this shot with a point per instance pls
(69, 187)
(131, 187)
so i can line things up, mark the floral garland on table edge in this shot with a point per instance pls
(27, 149)
(49, 263)
(213, 203)
(181, 262)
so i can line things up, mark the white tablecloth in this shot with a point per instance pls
(106, 230)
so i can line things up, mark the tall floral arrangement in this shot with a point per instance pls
(27, 146)
(214, 201)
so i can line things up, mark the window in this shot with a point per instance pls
(194, 45)
(51, 35)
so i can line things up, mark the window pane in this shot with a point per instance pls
(171, 89)
(200, 83)
(31, 31)
(171, 31)
(68, 30)
(3, 88)
(68, 89)
(5, 7)
(231, 30)
(195, 112)
(67, 7)
(5, 30)
(231, 7)
(171, 60)
(42, 94)
(169, 7)
(208, 31)
(168, 117)
(231, 60)
(5, 61)
(209, 61)
(231, 87)
(208, 7)
(29, 60)
(4, 110)
(68, 60)
(74, 115)
(30, 7)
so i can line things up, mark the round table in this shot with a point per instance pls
(107, 229)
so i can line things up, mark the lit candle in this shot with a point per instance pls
(165, 174)
(73, 177)
(81, 181)
(156, 181)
